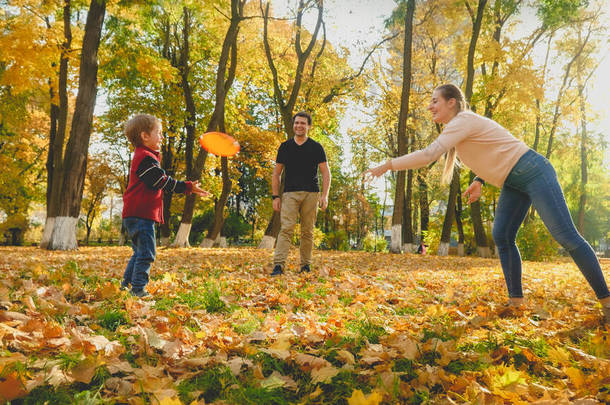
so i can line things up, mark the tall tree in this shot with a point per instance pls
(476, 16)
(224, 81)
(286, 102)
(57, 133)
(75, 159)
(399, 195)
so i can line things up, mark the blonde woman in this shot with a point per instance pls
(525, 177)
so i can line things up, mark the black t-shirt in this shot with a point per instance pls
(301, 164)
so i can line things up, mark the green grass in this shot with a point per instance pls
(457, 366)
(368, 329)
(112, 319)
(251, 395)
(538, 346)
(246, 327)
(212, 384)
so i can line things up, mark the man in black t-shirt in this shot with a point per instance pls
(300, 157)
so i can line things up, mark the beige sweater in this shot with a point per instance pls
(481, 144)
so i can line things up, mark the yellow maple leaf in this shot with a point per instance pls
(170, 401)
(358, 398)
(576, 376)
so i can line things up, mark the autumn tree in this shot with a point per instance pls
(69, 182)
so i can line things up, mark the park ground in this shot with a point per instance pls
(361, 328)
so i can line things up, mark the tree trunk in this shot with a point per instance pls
(286, 106)
(57, 139)
(217, 120)
(408, 216)
(219, 218)
(424, 207)
(475, 208)
(75, 161)
(443, 247)
(458, 222)
(397, 217)
(167, 164)
(584, 175)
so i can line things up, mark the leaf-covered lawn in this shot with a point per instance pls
(362, 328)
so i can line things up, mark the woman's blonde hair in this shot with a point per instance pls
(449, 91)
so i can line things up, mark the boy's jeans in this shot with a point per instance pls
(534, 181)
(142, 234)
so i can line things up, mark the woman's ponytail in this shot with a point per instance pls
(449, 91)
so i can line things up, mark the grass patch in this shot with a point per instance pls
(405, 366)
(112, 319)
(402, 311)
(211, 384)
(368, 329)
(539, 346)
(341, 387)
(250, 395)
(490, 344)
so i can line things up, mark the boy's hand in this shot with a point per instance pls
(199, 191)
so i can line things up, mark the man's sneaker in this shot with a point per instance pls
(305, 269)
(277, 270)
(124, 286)
(140, 293)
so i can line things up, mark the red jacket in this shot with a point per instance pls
(147, 181)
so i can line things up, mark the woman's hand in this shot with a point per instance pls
(473, 192)
(377, 170)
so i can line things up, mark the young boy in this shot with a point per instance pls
(143, 199)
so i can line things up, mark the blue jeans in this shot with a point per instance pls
(142, 234)
(533, 181)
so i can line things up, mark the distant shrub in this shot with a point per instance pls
(318, 236)
(337, 240)
(370, 243)
(535, 242)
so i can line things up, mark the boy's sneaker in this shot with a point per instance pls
(140, 293)
(124, 286)
(277, 270)
(305, 269)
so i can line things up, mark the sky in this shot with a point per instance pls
(359, 24)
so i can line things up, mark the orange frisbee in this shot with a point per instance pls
(219, 143)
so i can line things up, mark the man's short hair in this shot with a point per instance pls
(137, 124)
(303, 114)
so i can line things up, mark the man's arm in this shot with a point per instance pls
(276, 179)
(325, 184)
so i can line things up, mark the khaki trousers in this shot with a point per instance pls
(305, 205)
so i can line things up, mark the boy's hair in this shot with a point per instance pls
(303, 114)
(137, 124)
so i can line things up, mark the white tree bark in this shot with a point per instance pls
(396, 240)
(443, 249)
(49, 223)
(268, 242)
(484, 251)
(206, 243)
(64, 234)
(222, 242)
(182, 236)
(409, 248)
